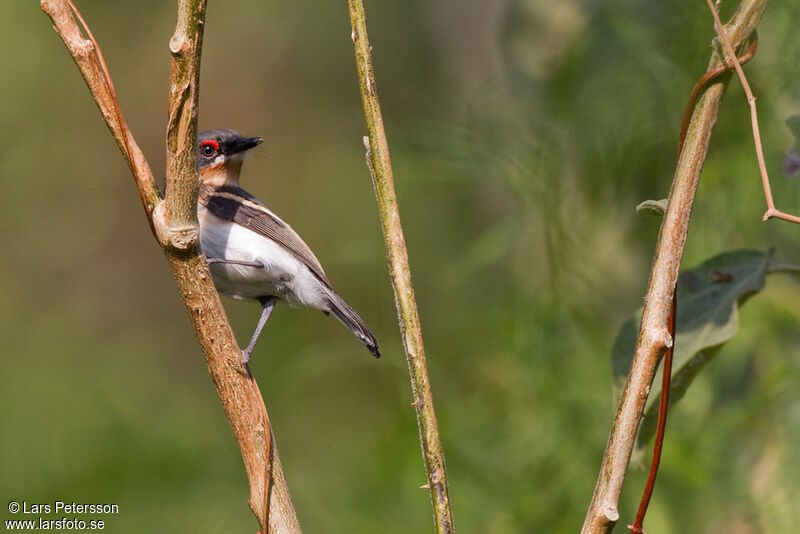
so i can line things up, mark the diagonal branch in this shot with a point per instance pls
(381, 169)
(653, 339)
(174, 221)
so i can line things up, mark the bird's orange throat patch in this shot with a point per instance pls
(222, 173)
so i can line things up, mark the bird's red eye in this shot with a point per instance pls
(209, 148)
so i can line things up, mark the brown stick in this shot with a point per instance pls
(653, 338)
(175, 224)
(380, 167)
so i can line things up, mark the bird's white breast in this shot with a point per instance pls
(283, 275)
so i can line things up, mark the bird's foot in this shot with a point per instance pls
(246, 354)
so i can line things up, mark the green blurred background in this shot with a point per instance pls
(523, 134)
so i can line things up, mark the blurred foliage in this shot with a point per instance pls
(523, 135)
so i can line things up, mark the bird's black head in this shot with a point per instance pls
(217, 147)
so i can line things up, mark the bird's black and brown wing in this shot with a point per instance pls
(236, 205)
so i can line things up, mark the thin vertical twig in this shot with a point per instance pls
(379, 164)
(653, 339)
(174, 221)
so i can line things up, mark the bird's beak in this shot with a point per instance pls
(244, 143)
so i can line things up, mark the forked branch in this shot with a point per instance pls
(653, 338)
(174, 221)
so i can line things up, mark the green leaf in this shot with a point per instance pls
(655, 208)
(709, 296)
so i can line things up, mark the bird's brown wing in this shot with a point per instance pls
(236, 205)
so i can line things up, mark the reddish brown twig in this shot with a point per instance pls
(106, 74)
(89, 59)
(706, 79)
(663, 406)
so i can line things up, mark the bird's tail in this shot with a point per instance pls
(349, 318)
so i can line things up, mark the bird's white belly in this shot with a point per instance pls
(282, 274)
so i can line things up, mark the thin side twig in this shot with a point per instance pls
(653, 339)
(772, 211)
(86, 55)
(120, 120)
(174, 221)
(380, 167)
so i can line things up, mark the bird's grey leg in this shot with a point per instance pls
(267, 304)
(257, 264)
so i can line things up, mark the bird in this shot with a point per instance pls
(252, 254)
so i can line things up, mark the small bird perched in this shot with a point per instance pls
(253, 254)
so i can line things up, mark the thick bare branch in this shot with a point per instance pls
(269, 494)
(175, 224)
(653, 337)
(381, 169)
